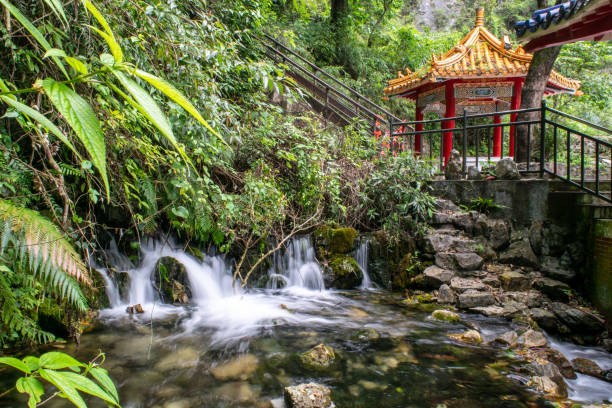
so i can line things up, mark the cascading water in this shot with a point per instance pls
(361, 256)
(297, 267)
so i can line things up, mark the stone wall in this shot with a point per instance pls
(601, 284)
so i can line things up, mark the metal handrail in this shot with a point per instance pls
(577, 119)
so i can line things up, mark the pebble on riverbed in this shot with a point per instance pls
(308, 396)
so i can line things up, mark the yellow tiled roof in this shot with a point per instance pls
(479, 55)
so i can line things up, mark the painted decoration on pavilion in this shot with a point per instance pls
(432, 96)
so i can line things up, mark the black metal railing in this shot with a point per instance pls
(331, 95)
(556, 144)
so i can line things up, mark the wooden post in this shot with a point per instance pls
(449, 124)
(418, 116)
(515, 104)
(497, 136)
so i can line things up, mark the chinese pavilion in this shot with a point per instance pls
(481, 74)
(570, 21)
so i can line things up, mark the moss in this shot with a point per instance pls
(346, 272)
(319, 358)
(445, 315)
(336, 240)
(408, 267)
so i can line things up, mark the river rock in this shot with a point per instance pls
(185, 357)
(470, 336)
(465, 261)
(446, 295)
(473, 298)
(588, 367)
(498, 234)
(172, 281)
(514, 280)
(240, 368)
(547, 386)
(558, 359)
(345, 273)
(308, 396)
(237, 391)
(554, 289)
(508, 338)
(463, 284)
(446, 315)
(136, 309)
(320, 357)
(519, 253)
(531, 338)
(453, 170)
(495, 311)
(433, 277)
(545, 319)
(506, 169)
(578, 321)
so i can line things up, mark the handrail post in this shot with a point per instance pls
(464, 142)
(542, 137)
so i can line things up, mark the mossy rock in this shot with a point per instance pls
(446, 315)
(409, 267)
(345, 273)
(171, 281)
(319, 358)
(334, 241)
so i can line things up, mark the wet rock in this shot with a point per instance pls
(453, 169)
(366, 335)
(345, 273)
(547, 386)
(519, 253)
(465, 261)
(320, 357)
(433, 277)
(333, 241)
(182, 358)
(463, 284)
(237, 391)
(558, 359)
(554, 289)
(552, 268)
(498, 234)
(514, 281)
(239, 368)
(531, 338)
(473, 173)
(490, 310)
(445, 315)
(182, 403)
(578, 321)
(545, 319)
(473, 298)
(308, 396)
(446, 295)
(588, 367)
(470, 336)
(172, 281)
(506, 169)
(134, 309)
(508, 339)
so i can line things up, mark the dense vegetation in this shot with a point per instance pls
(124, 118)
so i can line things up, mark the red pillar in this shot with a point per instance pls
(418, 116)
(449, 124)
(514, 105)
(497, 136)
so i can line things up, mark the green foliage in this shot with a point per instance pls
(68, 375)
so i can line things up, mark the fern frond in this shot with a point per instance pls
(40, 244)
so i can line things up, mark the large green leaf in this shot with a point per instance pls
(15, 363)
(40, 118)
(84, 384)
(108, 35)
(32, 387)
(171, 92)
(34, 31)
(78, 65)
(56, 361)
(65, 386)
(82, 119)
(101, 375)
(147, 106)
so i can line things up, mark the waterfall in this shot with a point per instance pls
(361, 256)
(111, 288)
(296, 267)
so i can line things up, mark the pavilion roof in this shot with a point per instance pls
(478, 55)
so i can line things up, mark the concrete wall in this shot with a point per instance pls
(601, 282)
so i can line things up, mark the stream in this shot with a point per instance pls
(234, 348)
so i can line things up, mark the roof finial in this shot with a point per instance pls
(480, 17)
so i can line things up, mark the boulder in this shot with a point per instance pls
(558, 359)
(548, 386)
(588, 367)
(495, 311)
(554, 289)
(578, 321)
(440, 241)
(446, 205)
(307, 396)
(545, 319)
(498, 234)
(239, 368)
(332, 241)
(519, 253)
(433, 277)
(465, 261)
(473, 173)
(506, 169)
(547, 239)
(446, 315)
(345, 273)
(473, 298)
(446, 295)
(453, 170)
(553, 268)
(514, 280)
(470, 336)
(531, 338)
(508, 339)
(462, 284)
(318, 358)
(464, 221)
(135, 309)
(172, 281)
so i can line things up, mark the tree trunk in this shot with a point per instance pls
(339, 11)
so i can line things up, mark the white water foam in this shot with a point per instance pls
(361, 256)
